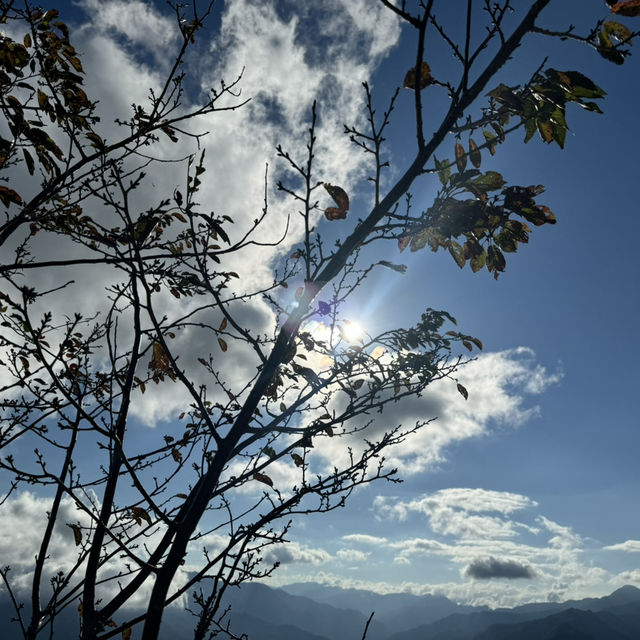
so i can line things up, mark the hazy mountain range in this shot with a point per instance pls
(310, 611)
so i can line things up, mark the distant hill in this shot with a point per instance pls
(394, 611)
(571, 624)
(618, 613)
(330, 613)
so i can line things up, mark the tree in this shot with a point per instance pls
(71, 381)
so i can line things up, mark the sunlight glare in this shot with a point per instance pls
(352, 331)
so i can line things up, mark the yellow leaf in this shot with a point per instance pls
(223, 344)
(223, 325)
(126, 633)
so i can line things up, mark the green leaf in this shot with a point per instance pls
(546, 130)
(617, 30)
(444, 170)
(489, 181)
(478, 261)
(583, 87)
(457, 253)
(506, 242)
(491, 139)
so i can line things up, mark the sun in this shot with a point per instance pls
(352, 331)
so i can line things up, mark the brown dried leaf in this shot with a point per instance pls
(342, 200)
(461, 157)
(629, 8)
(463, 392)
(474, 154)
(140, 514)
(262, 477)
(297, 458)
(425, 77)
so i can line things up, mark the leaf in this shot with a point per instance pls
(324, 308)
(425, 77)
(223, 344)
(283, 407)
(27, 40)
(269, 451)
(328, 429)
(616, 30)
(490, 138)
(96, 141)
(403, 243)
(223, 325)
(140, 514)
(126, 633)
(443, 167)
(77, 533)
(461, 158)
(463, 392)
(159, 361)
(297, 458)
(489, 181)
(176, 455)
(263, 477)
(9, 195)
(342, 200)
(629, 8)
(474, 154)
(357, 383)
(457, 253)
(400, 268)
(29, 160)
(475, 341)
(546, 131)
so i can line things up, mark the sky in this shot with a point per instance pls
(526, 491)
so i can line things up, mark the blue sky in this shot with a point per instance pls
(539, 466)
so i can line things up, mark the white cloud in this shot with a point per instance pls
(498, 385)
(362, 538)
(632, 546)
(140, 22)
(351, 555)
(22, 521)
(296, 553)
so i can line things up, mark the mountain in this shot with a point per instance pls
(618, 613)
(394, 611)
(276, 606)
(264, 613)
(571, 624)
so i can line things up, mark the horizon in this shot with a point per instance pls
(524, 492)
